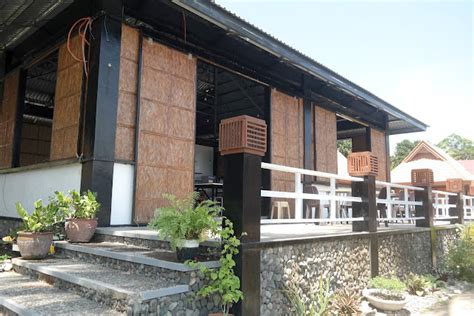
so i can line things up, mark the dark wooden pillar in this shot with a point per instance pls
(458, 209)
(367, 208)
(242, 201)
(101, 106)
(425, 210)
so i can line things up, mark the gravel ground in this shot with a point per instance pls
(456, 299)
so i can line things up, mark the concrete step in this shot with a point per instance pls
(140, 237)
(22, 295)
(129, 258)
(124, 291)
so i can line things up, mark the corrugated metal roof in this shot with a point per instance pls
(233, 23)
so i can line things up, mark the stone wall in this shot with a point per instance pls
(6, 224)
(346, 261)
(444, 241)
(404, 252)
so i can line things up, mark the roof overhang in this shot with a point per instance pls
(398, 121)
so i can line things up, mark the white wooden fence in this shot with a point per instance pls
(468, 203)
(396, 205)
(333, 198)
(441, 204)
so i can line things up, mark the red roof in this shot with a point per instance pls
(468, 165)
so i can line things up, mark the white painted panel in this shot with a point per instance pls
(30, 185)
(122, 195)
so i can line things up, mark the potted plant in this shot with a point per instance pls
(36, 236)
(222, 282)
(184, 223)
(386, 294)
(81, 222)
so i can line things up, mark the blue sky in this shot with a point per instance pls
(417, 55)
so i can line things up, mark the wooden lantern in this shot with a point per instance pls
(362, 164)
(454, 185)
(471, 189)
(422, 177)
(243, 134)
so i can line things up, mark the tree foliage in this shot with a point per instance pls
(402, 149)
(458, 147)
(344, 146)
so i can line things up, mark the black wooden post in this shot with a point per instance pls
(101, 106)
(242, 143)
(367, 208)
(425, 210)
(458, 210)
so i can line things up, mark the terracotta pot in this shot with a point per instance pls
(384, 304)
(187, 250)
(34, 245)
(80, 230)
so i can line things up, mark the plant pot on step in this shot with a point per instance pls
(187, 250)
(34, 245)
(384, 300)
(79, 229)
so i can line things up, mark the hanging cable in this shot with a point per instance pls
(83, 27)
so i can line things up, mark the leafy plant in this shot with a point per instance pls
(314, 302)
(223, 281)
(418, 284)
(392, 284)
(182, 220)
(460, 258)
(76, 205)
(4, 257)
(42, 219)
(345, 302)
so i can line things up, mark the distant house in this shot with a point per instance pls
(429, 156)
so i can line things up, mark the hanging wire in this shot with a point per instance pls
(83, 27)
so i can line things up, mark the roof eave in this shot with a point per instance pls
(231, 23)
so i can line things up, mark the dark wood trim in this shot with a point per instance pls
(267, 174)
(368, 207)
(137, 121)
(374, 255)
(425, 210)
(20, 108)
(368, 139)
(101, 107)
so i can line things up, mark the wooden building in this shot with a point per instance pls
(428, 156)
(143, 119)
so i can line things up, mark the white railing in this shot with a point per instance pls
(468, 205)
(332, 197)
(441, 204)
(395, 203)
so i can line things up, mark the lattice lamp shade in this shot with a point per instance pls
(422, 177)
(471, 189)
(454, 185)
(362, 164)
(243, 134)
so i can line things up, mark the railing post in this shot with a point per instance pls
(364, 164)
(298, 201)
(425, 210)
(367, 208)
(332, 202)
(458, 210)
(242, 144)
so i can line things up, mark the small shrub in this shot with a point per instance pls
(460, 258)
(345, 302)
(418, 284)
(392, 284)
(314, 302)
(4, 258)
